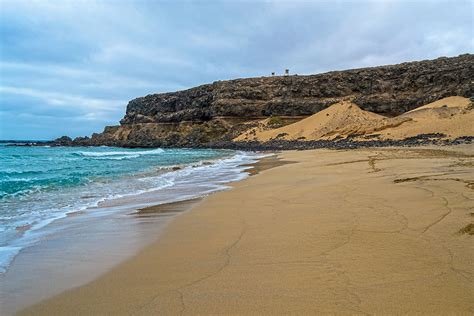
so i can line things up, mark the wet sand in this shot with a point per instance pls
(266, 163)
(373, 231)
(83, 245)
(78, 249)
(167, 208)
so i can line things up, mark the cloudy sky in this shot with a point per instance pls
(70, 67)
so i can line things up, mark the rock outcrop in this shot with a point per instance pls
(222, 110)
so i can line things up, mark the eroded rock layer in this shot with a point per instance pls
(222, 110)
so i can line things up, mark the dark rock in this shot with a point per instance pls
(388, 90)
(63, 141)
(218, 112)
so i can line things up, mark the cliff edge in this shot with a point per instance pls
(221, 111)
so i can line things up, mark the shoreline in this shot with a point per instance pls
(90, 238)
(48, 193)
(317, 235)
(432, 139)
(26, 231)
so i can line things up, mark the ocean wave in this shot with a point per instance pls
(186, 178)
(21, 192)
(7, 254)
(119, 153)
(8, 173)
(115, 157)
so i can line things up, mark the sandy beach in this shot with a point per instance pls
(369, 231)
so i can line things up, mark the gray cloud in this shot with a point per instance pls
(68, 67)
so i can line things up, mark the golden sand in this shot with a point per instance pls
(346, 232)
(325, 124)
(452, 116)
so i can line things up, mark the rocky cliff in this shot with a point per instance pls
(221, 110)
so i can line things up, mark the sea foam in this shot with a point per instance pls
(120, 153)
(80, 180)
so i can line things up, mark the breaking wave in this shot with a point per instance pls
(134, 154)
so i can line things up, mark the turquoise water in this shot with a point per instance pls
(39, 185)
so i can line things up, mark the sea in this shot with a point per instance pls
(40, 185)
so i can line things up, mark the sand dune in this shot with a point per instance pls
(341, 119)
(449, 102)
(452, 116)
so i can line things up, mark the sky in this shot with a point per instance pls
(70, 67)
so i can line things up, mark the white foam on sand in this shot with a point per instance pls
(191, 181)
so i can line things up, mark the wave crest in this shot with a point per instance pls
(133, 154)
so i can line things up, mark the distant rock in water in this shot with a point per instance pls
(64, 141)
(223, 110)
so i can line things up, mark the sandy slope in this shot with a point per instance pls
(452, 116)
(340, 118)
(337, 232)
(449, 102)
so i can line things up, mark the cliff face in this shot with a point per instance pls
(221, 110)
